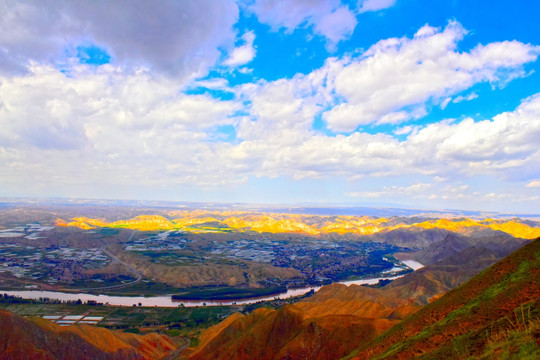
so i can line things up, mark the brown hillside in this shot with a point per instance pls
(500, 244)
(327, 325)
(465, 322)
(287, 333)
(37, 338)
(337, 317)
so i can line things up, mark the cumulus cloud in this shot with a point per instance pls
(244, 53)
(133, 128)
(400, 73)
(107, 125)
(174, 37)
(328, 18)
(504, 147)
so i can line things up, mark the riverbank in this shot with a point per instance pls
(169, 301)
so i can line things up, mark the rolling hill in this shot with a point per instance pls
(493, 315)
(36, 338)
(459, 306)
(418, 314)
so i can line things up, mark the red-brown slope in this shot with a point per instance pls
(22, 338)
(326, 326)
(288, 333)
(337, 317)
(463, 320)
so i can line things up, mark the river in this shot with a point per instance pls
(167, 301)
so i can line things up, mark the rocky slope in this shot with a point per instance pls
(37, 338)
(493, 315)
(338, 317)
(451, 244)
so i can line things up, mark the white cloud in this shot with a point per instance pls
(283, 109)
(124, 128)
(418, 190)
(469, 97)
(174, 37)
(329, 18)
(405, 130)
(346, 117)
(426, 193)
(336, 26)
(445, 102)
(242, 54)
(519, 198)
(396, 74)
(534, 184)
(214, 83)
(108, 126)
(394, 118)
(245, 70)
(374, 5)
(500, 146)
(280, 137)
(366, 194)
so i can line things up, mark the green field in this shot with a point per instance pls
(180, 322)
(226, 293)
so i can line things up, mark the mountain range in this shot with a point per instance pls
(472, 300)
(216, 221)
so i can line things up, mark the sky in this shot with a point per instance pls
(404, 103)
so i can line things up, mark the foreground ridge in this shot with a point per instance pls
(496, 313)
(37, 338)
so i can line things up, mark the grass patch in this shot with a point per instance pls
(226, 293)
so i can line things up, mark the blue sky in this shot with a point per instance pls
(406, 103)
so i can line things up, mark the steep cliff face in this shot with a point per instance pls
(37, 338)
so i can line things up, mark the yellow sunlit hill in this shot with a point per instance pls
(227, 221)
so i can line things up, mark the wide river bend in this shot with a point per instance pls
(166, 300)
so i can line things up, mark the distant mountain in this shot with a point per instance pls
(500, 244)
(386, 210)
(411, 237)
(427, 283)
(36, 338)
(402, 231)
